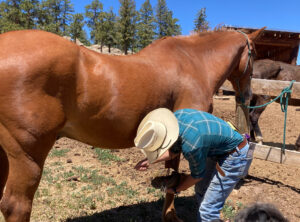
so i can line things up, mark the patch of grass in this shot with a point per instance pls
(83, 201)
(45, 192)
(96, 179)
(111, 203)
(58, 186)
(57, 163)
(58, 152)
(122, 189)
(151, 190)
(230, 210)
(47, 175)
(68, 174)
(105, 156)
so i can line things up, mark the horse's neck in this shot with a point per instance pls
(221, 58)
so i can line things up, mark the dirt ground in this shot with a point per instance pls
(84, 184)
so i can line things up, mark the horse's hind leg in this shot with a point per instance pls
(26, 159)
(3, 170)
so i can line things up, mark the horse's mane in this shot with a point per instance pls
(214, 34)
(200, 34)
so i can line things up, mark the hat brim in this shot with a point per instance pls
(169, 120)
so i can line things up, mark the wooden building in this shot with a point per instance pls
(276, 45)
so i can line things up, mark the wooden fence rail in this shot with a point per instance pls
(268, 87)
(271, 88)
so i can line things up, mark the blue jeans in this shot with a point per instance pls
(213, 189)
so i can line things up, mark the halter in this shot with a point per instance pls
(246, 67)
(249, 51)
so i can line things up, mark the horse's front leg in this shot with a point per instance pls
(169, 213)
(254, 117)
(26, 160)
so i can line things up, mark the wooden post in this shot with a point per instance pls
(242, 117)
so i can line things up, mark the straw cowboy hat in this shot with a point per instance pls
(157, 132)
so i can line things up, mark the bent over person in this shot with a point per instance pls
(217, 154)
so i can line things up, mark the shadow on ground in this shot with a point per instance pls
(279, 145)
(249, 179)
(144, 212)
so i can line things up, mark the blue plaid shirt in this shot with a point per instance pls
(204, 135)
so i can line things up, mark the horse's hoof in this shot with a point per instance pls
(259, 140)
(171, 217)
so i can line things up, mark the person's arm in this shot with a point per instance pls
(184, 184)
(144, 164)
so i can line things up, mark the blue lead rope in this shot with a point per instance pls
(284, 96)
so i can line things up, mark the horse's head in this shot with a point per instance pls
(241, 75)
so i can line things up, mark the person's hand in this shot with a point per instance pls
(142, 165)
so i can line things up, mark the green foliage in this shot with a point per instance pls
(59, 152)
(76, 28)
(55, 16)
(16, 15)
(145, 25)
(49, 18)
(166, 24)
(29, 9)
(230, 210)
(127, 24)
(132, 29)
(111, 29)
(200, 22)
(92, 12)
(105, 156)
(105, 29)
(122, 189)
(66, 17)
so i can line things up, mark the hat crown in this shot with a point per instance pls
(151, 136)
(156, 133)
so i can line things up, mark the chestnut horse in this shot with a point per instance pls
(51, 87)
(276, 70)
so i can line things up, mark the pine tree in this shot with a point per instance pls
(200, 22)
(173, 28)
(127, 24)
(161, 18)
(11, 15)
(166, 24)
(92, 12)
(146, 25)
(100, 29)
(76, 29)
(50, 16)
(29, 10)
(111, 29)
(67, 10)
(18, 14)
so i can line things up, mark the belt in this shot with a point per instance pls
(240, 146)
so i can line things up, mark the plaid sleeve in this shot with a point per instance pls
(197, 162)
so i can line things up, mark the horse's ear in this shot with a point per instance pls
(255, 35)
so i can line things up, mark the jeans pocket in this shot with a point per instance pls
(246, 167)
(237, 164)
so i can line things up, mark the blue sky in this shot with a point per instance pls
(275, 14)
